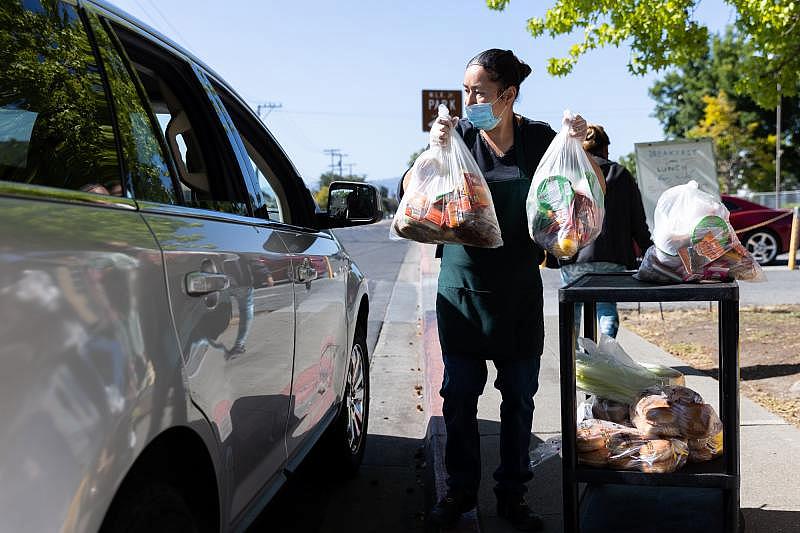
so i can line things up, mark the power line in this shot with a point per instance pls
(269, 107)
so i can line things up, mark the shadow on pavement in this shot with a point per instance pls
(770, 521)
(386, 496)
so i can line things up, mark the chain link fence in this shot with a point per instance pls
(788, 198)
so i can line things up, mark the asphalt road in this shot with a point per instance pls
(387, 496)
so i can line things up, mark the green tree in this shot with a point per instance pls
(663, 33)
(681, 106)
(629, 162)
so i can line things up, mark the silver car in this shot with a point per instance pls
(178, 325)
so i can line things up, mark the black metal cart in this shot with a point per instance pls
(722, 473)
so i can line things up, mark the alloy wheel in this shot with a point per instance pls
(763, 247)
(355, 398)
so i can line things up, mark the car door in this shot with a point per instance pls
(319, 274)
(229, 280)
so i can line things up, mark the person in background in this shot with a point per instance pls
(624, 224)
(489, 303)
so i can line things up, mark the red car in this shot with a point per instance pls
(766, 241)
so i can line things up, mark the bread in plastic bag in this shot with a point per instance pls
(707, 448)
(565, 203)
(602, 443)
(447, 201)
(613, 411)
(693, 241)
(674, 411)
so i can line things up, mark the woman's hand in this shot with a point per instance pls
(577, 128)
(440, 130)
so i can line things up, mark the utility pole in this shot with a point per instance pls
(269, 107)
(333, 152)
(350, 168)
(778, 152)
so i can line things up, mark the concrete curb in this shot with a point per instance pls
(433, 371)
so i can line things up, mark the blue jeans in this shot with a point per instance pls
(244, 303)
(607, 315)
(464, 380)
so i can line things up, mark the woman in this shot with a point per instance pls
(623, 224)
(489, 301)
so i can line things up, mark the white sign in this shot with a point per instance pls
(661, 165)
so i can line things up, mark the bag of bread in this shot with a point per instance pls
(613, 411)
(694, 240)
(710, 447)
(647, 455)
(674, 411)
(593, 437)
(565, 203)
(447, 200)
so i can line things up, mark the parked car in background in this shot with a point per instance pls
(179, 326)
(764, 231)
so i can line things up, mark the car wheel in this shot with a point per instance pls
(763, 246)
(152, 508)
(347, 437)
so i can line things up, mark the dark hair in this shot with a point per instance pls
(503, 66)
(597, 140)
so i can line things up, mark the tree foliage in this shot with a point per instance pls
(662, 33)
(699, 99)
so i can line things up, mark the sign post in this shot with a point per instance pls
(430, 105)
(661, 165)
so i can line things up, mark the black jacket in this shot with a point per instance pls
(624, 221)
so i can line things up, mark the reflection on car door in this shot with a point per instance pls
(320, 273)
(229, 281)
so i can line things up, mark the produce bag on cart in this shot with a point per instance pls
(447, 201)
(694, 240)
(565, 202)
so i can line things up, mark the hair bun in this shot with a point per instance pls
(524, 70)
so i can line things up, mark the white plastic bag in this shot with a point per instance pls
(565, 201)
(447, 200)
(693, 240)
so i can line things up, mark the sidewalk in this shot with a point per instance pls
(770, 490)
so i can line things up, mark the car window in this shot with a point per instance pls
(146, 170)
(275, 192)
(730, 205)
(56, 125)
(206, 174)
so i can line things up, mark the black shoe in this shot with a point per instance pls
(448, 511)
(517, 512)
(237, 349)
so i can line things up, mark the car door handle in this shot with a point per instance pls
(306, 273)
(202, 283)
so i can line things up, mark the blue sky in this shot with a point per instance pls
(349, 74)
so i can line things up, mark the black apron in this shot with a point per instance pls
(489, 302)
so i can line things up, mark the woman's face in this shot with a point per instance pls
(480, 89)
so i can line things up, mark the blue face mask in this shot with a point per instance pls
(482, 116)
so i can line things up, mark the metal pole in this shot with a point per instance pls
(794, 238)
(566, 342)
(778, 152)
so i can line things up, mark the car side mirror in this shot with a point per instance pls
(352, 204)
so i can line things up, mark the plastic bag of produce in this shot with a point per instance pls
(565, 201)
(608, 372)
(674, 411)
(693, 240)
(447, 200)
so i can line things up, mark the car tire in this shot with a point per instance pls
(347, 436)
(763, 245)
(150, 508)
